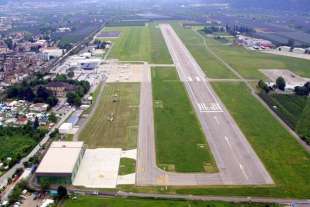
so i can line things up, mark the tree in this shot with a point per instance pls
(62, 192)
(71, 74)
(43, 93)
(291, 42)
(301, 91)
(52, 101)
(264, 86)
(29, 95)
(280, 83)
(44, 185)
(36, 123)
(52, 117)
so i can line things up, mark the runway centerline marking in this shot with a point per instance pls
(243, 171)
(216, 120)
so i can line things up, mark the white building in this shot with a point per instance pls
(66, 128)
(61, 162)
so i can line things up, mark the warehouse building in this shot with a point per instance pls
(61, 162)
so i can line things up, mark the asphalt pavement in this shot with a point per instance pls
(237, 162)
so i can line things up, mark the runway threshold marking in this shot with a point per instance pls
(209, 108)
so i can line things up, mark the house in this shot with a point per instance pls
(22, 120)
(60, 89)
(39, 107)
(299, 50)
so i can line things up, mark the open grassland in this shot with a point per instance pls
(180, 142)
(140, 44)
(15, 146)
(248, 62)
(127, 166)
(287, 162)
(194, 43)
(115, 121)
(121, 202)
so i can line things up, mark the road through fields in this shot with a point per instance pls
(237, 162)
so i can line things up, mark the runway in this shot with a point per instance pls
(237, 162)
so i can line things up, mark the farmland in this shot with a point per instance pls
(141, 43)
(178, 148)
(284, 158)
(121, 202)
(294, 110)
(194, 43)
(115, 121)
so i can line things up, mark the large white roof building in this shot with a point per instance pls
(61, 162)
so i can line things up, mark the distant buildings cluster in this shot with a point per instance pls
(253, 42)
(20, 113)
(21, 57)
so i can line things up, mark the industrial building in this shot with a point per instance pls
(61, 162)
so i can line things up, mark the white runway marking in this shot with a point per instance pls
(243, 171)
(216, 119)
(210, 107)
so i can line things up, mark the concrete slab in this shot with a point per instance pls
(289, 77)
(99, 168)
(129, 179)
(122, 72)
(132, 154)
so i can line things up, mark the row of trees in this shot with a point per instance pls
(212, 29)
(32, 94)
(280, 84)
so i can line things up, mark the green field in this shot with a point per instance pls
(248, 63)
(140, 44)
(180, 143)
(127, 166)
(209, 63)
(115, 121)
(287, 162)
(121, 202)
(289, 107)
(293, 110)
(15, 146)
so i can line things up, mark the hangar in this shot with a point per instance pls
(61, 162)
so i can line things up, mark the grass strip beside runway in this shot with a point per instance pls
(287, 162)
(140, 44)
(208, 63)
(130, 202)
(180, 143)
(115, 121)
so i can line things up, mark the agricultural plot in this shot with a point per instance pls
(248, 63)
(115, 121)
(139, 44)
(284, 158)
(180, 143)
(194, 43)
(121, 202)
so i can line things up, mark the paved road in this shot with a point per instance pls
(236, 160)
